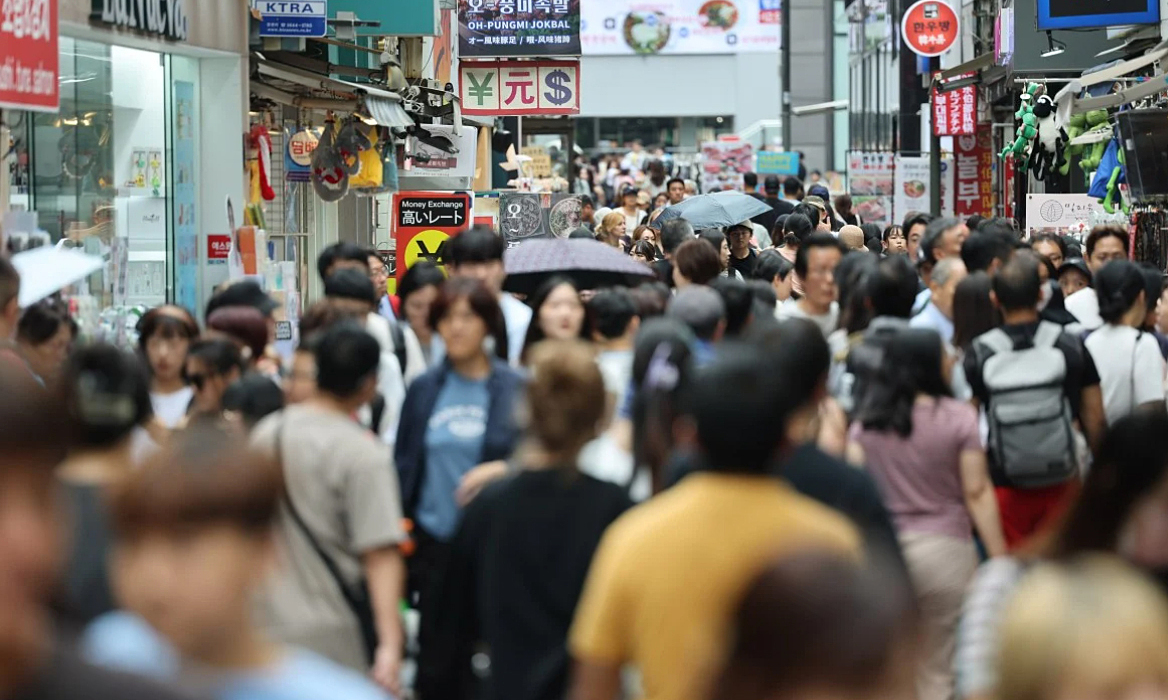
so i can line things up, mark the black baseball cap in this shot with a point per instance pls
(243, 293)
(1075, 264)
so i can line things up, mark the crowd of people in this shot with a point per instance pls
(926, 462)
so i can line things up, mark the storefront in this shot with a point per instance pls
(138, 161)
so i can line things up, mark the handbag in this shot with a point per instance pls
(356, 596)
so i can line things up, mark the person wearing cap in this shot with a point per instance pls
(742, 255)
(778, 206)
(1074, 276)
(852, 237)
(352, 292)
(632, 211)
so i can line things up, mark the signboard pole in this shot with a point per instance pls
(934, 156)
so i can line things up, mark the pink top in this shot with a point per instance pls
(920, 476)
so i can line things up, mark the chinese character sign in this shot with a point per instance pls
(490, 28)
(955, 112)
(930, 27)
(424, 221)
(28, 55)
(631, 27)
(520, 87)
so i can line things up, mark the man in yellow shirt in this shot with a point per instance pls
(669, 574)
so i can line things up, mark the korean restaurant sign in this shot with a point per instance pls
(955, 111)
(508, 88)
(974, 162)
(504, 28)
(164, 18)
(930, 27)
(28, 55)
(424, 221)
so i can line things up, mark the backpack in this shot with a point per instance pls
(1031, 437)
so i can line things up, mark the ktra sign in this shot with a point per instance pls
(506, 88)
(166, 18)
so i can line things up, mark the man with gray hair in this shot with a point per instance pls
(703, 310)
(938, 313)
(943, 238)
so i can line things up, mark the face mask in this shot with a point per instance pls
(1047, 292)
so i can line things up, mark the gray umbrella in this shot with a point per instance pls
(715, 210)
(590, 264)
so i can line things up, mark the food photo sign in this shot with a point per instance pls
(624, 27)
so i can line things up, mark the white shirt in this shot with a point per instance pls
(171, 408)
(1084, 306)
(1131, 369)
(827, 322)
(517, 316)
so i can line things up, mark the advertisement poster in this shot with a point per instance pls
(525, 215)
(508, 28)
(629, 27)
(28, 56)
(1061, 214)
(911, 189)
(510, 88)
(422, 223)
(724, 163)
(974, 166)
(186, 230)
(955, 112)
(871, 184)
(777, 163)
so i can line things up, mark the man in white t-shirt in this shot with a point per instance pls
(1104, 244)
(815, 264)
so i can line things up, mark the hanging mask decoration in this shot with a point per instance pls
(330, 175)
(1046, 159)
(350, 143)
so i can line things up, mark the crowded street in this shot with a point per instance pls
(555, 350)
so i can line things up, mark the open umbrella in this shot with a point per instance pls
(46, 270)
(590, 264)
(715, 210)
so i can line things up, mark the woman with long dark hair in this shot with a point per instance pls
(557, 314)
(925, 452)
(520, 555)
(165, 334)
(1131, 369)
(419, 288)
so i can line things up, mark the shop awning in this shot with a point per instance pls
(975, 65)
(297, 87)
(1070, 104)
(389, 113)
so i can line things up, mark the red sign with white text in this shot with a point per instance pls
(930, 27)
(28, 55)
(218, 246)
(955, 111)
(974, 163)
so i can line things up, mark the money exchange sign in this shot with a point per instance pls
(502, 88)
(424, 221)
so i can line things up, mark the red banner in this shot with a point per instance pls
(955, 111)
(218, 246)
(423, 222)
(973, 160)
(28, 55)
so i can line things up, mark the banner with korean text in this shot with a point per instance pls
(509, 88)
(955, 111)
(646, 27)
(505, 28)
(974, 163)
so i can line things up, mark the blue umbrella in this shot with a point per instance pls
(715, 210)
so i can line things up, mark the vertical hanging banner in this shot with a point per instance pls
(509, 88)
(974, 162)
(424, 221)
(955, 111)
(871, 184)
(28, 56)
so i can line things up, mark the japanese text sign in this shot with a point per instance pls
(292, 18)
(489, 28)
(28, 55)
(955, 111)
(974, 163)
(497, 88)
(930, 27)
(422, 223)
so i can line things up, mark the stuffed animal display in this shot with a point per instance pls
(1027, 129)
(1046, 158)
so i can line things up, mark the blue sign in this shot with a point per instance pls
(777, 163)
(292, 18)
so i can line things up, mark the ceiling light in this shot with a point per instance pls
(1056, 47)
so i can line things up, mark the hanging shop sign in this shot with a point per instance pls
(292, 18)
(441, 162)
(622, 28)
(911, 184)
(870, 183)
(930, 27)
(510, 88)
(424, 221)
(28, 55)
(505, 28)
(955, 111)
(298, 155)
(525, 216)
(218, 247)
(165, 18)
(777, 163)
(974, 164)
(1062, 214)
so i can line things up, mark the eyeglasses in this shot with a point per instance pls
(382, 271)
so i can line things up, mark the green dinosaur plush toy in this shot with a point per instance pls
(1027, 129)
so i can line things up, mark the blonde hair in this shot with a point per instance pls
(566, 398)
(1094, 625)
(609, 222)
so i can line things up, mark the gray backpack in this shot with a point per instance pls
(1031, 434)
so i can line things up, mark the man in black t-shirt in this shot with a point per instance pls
(742, 256)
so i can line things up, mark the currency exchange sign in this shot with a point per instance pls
(508, 88)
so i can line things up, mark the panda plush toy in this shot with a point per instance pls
(1049, 144)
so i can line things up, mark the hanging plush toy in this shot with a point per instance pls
(1027, 129)
(262, 142)
(1046, 158)
(1089, 151)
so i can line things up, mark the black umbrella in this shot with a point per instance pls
(590, 264)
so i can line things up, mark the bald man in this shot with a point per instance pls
(852, 237)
